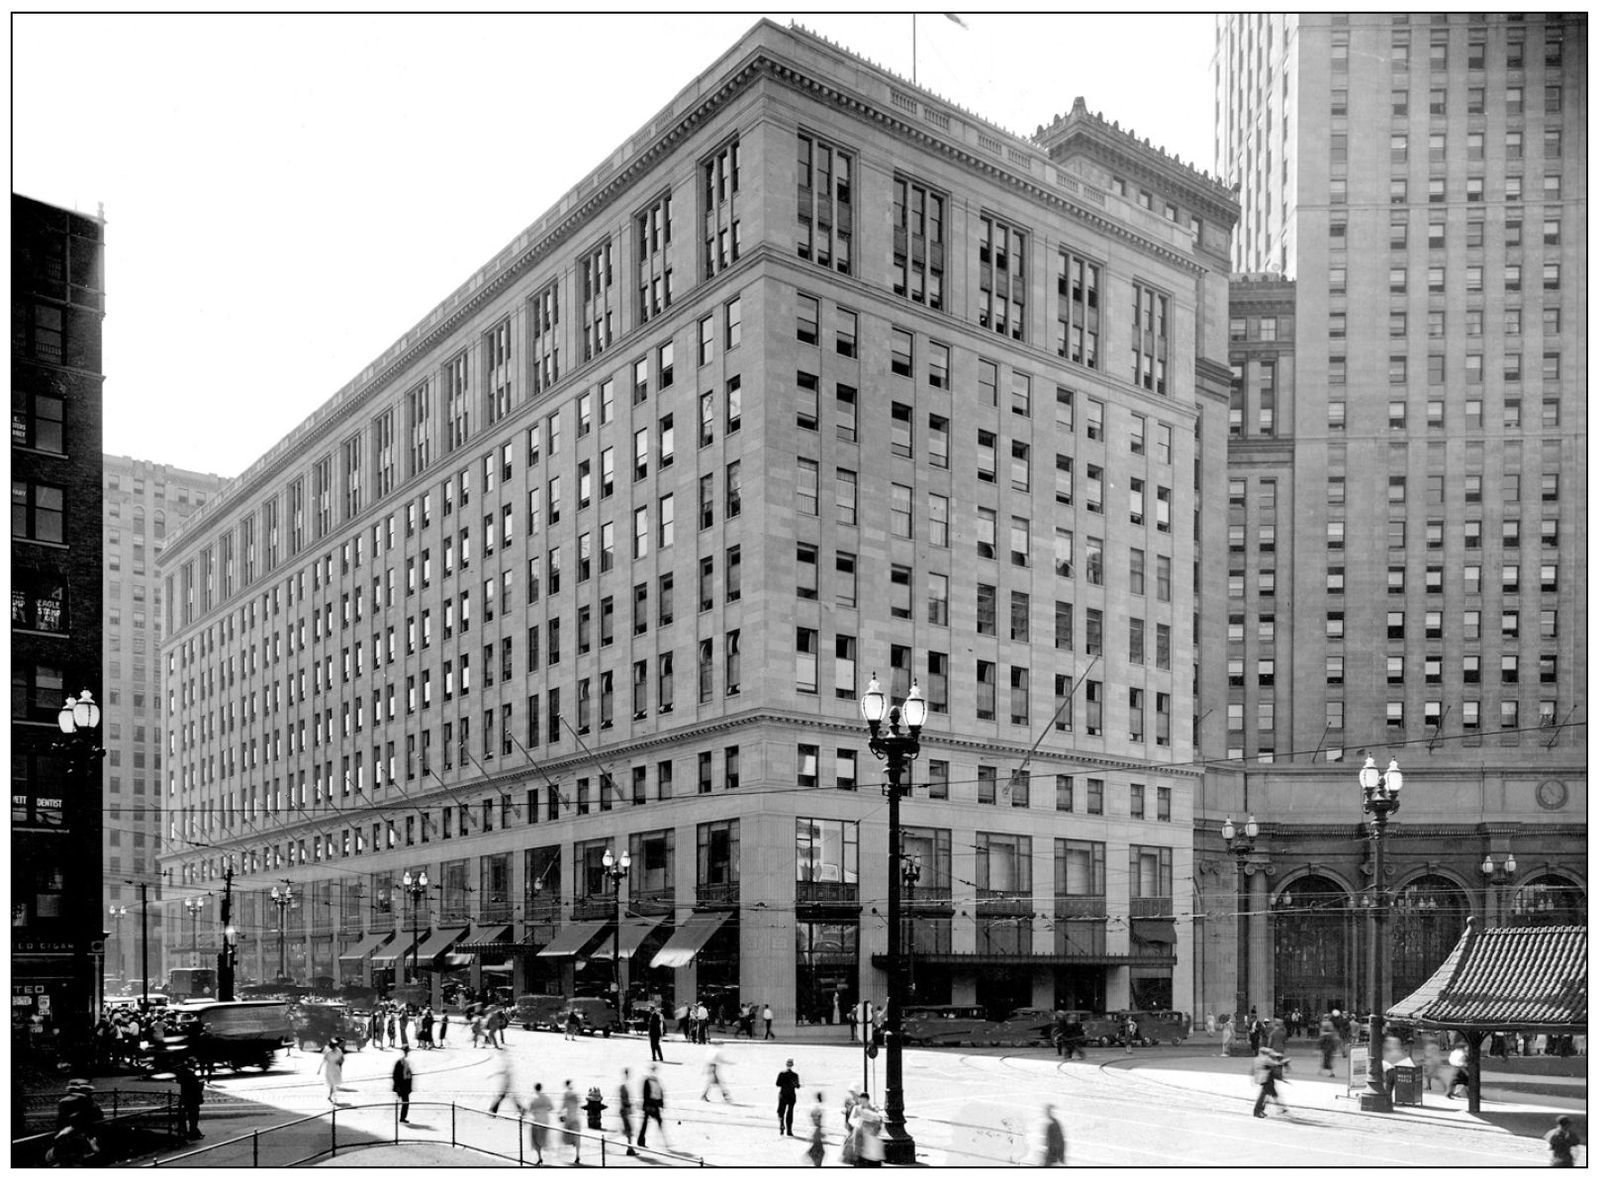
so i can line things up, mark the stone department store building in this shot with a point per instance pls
(816, 377)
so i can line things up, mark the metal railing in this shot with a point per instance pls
(130, 1109)
(512, 1137)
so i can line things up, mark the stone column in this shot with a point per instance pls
(1260, 924)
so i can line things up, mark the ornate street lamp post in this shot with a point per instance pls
(616, 870)
(281, 901)
(79, 723)
(1380, 797)
(417, 888)
(1497, 874)
(193, 907)
(117, 914)
(890, 742)
(1241, 844)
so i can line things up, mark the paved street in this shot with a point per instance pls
(1162, 1107)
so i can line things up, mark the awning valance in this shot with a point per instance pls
(690, 935)
(398, 946)
(439, 941)
(573, 937)
(1155, 931)
(633, 931)
(486, 935)
(364, 946)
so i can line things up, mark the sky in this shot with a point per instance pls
(286, 196)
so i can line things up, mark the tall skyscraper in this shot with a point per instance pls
(57, 304)
(143, 501)
(816, 378)
(1406, 503)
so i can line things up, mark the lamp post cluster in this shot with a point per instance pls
(417, 886)
(282, 900)
(1380, 796)
(616, 870)
(1241, 844)
(895, 737)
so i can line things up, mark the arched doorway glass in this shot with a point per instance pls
(1309, 949)
(1548, 901)
(1426, 919)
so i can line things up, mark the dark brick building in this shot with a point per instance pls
(57, 303)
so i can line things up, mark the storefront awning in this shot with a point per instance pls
(633, 931)
(689, 938)
(364, 946)
(1155, 931)
(398, 946)
(572, 938)
(486, 935)
(439, 941)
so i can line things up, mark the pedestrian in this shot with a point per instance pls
(787, 1084)
(1257, 1031)
(769, 1022)
(594, 1109)
(1054, 1138)
(625, 1110)
(390, 1028)
(1498, 1045)
(571, 1026)
(1210, 1025)
(571, 1117)
(1129, 1033)
(712, 1072)
(1458, 1059)
(502, 1081)
(652, 1106)
(540, 1121)
(330, 1065)
(655, 1034)
(498, 1027)
(850, 1103)
(443, 1027)
(1328, 1043)
(426, 1030)
(702, 1022)
(1562, 1141)
(817, 1130)
(867, 1134)
(1277, 1037)
(683, 1022)
(190, 1093)
(402, 1083)
(853, 1023)
(1266, 1071)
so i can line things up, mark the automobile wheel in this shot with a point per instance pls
(606, 1032)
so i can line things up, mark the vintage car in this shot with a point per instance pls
(946, 1025)
(597, 1015)
(1022, 1027)
(315, 1023)
(1102, 1030)
(235, 1034)
(535, 1011)
(1161, 1026)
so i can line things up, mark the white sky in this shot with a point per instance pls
(287, 195)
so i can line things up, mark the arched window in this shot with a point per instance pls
(1310, 916)
(1426, 918)
(1548, 901)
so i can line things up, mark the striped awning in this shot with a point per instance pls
(572, 938)
(633, 931)
(398, 946)
(1507, 978)
(693, 932)
(364, 946)
(486, 936)
(439, 941)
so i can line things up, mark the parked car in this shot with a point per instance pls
(238, 1034)
(1023, 1027)
(535, 1011)
(316, 1023)
(1102, 1030)
(944, 1025)
(1161, 1026)
(597, 1015)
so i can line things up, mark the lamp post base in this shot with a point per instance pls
(1374, 1100)
(898, 1148)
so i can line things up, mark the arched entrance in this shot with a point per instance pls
(1310, 954)
(1548, 901)
(1427, 916)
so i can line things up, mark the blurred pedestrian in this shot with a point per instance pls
(571, 1117)
(1328, 1043)
(712, 1073)
(1458, 1059)
(655, 1033)
(867, 1133)
(787, 1084)
(402, 1083)
(502, 1081)
(1277, 1036)
(1562, 1141)
(1227, 1034)
(652, 1106)
(683, 1022)
(1266, 1071)
(817, 1130)
(625, 1110)
(1054, 1138)
(442, 1039)
(540, 1121)
(330, 1065)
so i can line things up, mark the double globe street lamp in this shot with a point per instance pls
(417, 887)
(79, 723)
(282, 899)
(1241, 844)
(895, 737)
(193, 907)
(1380, 798)
(616, 870)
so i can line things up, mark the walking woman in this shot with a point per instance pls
(330, 1065)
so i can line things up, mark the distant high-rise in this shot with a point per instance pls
(143, 501)
(57, 305)
(1406, 501)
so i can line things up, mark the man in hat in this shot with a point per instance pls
(78, 1112)
(1562, 1141)
(190, 1094)
(787, 1083)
